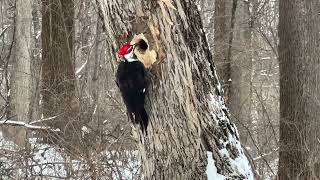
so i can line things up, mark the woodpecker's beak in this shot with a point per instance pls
(131, 51)
(133, 47)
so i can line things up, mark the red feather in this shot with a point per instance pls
(124, 49)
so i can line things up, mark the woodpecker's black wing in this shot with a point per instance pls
(131, 80)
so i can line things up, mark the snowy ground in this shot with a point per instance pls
(49, 163)
(46, 161)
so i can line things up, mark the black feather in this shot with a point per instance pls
(132, 82)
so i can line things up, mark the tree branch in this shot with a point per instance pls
(26, 125)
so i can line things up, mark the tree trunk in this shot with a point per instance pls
(57, 70)
(222, 39)
(186, 111)
(240, 87)
(36, 60)
(299, 57)
(20, 81)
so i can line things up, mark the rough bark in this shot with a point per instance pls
(20, 87)
(299, 57)
(187, 113)
(57, 69)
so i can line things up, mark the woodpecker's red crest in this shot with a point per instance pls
(125, 48)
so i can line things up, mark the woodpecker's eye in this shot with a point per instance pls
(142, 45)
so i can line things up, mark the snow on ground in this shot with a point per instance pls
(47, 161)
(9, 145)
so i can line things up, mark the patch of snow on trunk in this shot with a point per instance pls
(211, 171)
(240, 164)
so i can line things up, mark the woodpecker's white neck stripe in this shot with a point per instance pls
(129, 57)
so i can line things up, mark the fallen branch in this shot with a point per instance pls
(26, 125)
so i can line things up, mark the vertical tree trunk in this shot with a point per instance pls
(222, 38)
(240, 89)
(187, 114)
(36, 60)
(57, 69)
(20, 81)
(299, 56)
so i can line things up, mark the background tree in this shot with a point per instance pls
(224, 19)
(233, 54)
(58, 69)
(102, 139)
(186, 110)
(240, 50)
(20, 86)
(299, 57)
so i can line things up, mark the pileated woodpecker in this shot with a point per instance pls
(131, 80)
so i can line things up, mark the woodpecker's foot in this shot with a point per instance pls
(143, 129)
(149, 74)
(131, 117)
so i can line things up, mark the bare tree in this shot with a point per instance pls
(299, 57)
(106, 150)
(224, 18)
(20, 88)
(57, 69)
(187, 113)
(240, 96)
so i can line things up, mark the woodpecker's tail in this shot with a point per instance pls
(140, 116)
(144, 120)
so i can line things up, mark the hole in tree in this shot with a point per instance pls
(143, 45)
